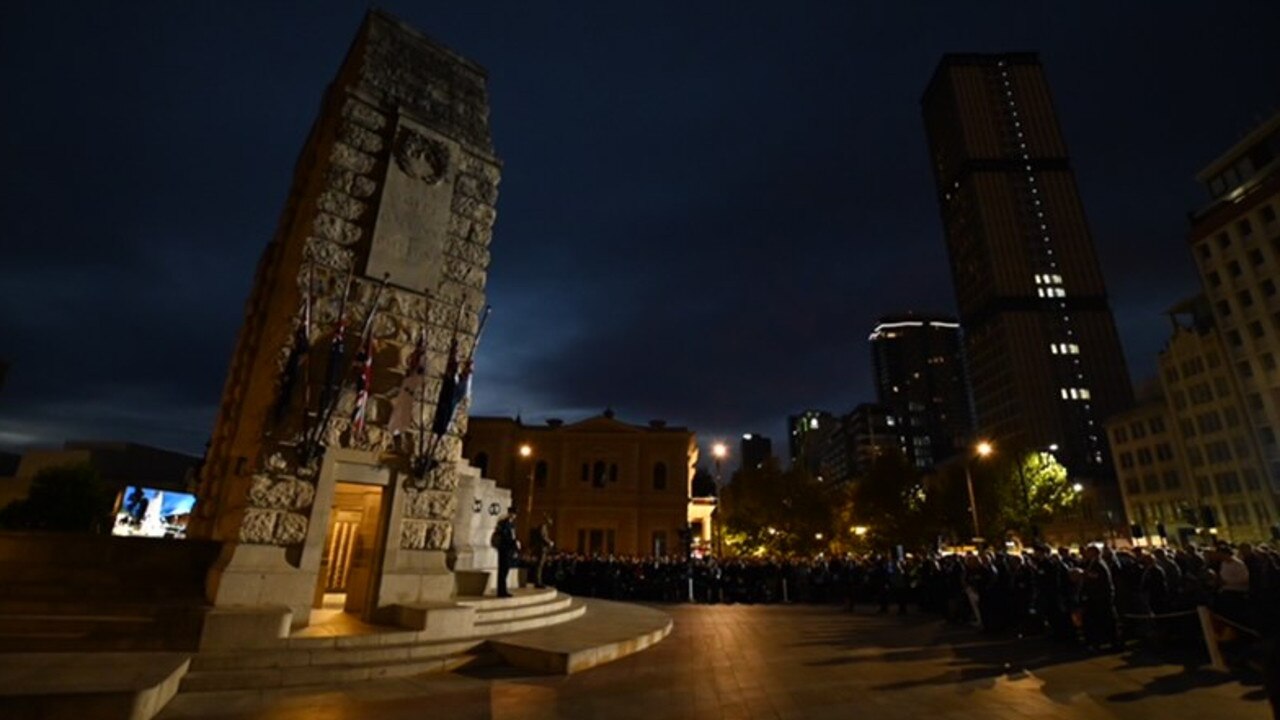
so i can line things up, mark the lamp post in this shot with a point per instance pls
(1078, 489)
(719, 451)
(526, 453)
(982, 450)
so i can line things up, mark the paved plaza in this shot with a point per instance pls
(791, 662)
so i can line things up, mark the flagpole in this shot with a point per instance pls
(336, 353)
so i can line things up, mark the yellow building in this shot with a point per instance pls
(608, 486)
(1192, 459)
(1235, 240)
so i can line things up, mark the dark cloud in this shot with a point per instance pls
(704, 208)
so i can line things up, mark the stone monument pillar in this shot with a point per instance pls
(481, 503)
(387, 226)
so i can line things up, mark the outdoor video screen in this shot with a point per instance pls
(147, 512)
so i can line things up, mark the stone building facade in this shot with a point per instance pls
(608, 486)
(387, 227)
(1190, 460)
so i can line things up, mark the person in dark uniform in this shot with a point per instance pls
(543, 545)
(508, 546)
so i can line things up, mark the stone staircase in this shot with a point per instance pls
(378, 652)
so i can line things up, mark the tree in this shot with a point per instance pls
(770, 510)
(66, 498)
(1049, 490)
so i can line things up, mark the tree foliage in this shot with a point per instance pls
(67, 498)
(770, 510)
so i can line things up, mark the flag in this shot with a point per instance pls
(292, 370)
(333, 379)
(414, 375)
(447, 400)
(364, 377)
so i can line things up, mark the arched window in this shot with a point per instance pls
(540, 473)
(660, 476)
(598, 474)
(481, 461)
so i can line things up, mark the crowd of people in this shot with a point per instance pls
(1100, 596)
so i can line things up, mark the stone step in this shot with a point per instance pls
(328, 674)
(331, 655)
(558, 601)
(88, 685)
(574, 611)
(522, 596)
(608, 631)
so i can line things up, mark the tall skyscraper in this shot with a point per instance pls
(1041, 347)
(807, 435)
(755, 450)
(920, 379)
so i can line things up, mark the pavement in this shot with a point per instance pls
(730, 662)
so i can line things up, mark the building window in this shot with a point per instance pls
(598, 474)
(1255, 257)
(1233, 267)
(1234, 339)
(660, 476)
(1164, 451)
(1131, 486)
(1224, 308)
(1255, 329)
(1214, 278)
(1268, 215)
(1171, 480)
(1151, 483)
(1075, 393)
(1245, 297)
(1268, 362)
(1144, 457)
(1246, 370)
(1223, 241)
(1121, 435)
(1126, 460)
(1244, 227)
(540, 474)
(1268, 288)
(1138, 430)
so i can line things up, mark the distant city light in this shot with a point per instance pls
(985, 448)
(720, 451)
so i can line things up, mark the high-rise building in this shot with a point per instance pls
(1236, 244)
(920, 379)
(756, 449)
(1041, 348)
(807, 434)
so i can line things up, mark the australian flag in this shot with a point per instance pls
(292, 369)
(449, 397)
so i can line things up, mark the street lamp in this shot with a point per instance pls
(982, 449)
(526, 452)
(719, 451)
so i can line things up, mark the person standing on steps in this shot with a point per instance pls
(543, 544)
(505, 540)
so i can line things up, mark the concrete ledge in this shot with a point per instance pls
(437, 620)
(78, 686)
(606, 632)
(248, 627)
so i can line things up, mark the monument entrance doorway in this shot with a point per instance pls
(352, 546)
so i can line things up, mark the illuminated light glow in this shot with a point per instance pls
(526, 450)
(984, 448)
(719, 450)
(746, 436)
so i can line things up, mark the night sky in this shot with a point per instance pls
(702, 213)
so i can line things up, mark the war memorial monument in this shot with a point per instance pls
(338, 534)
